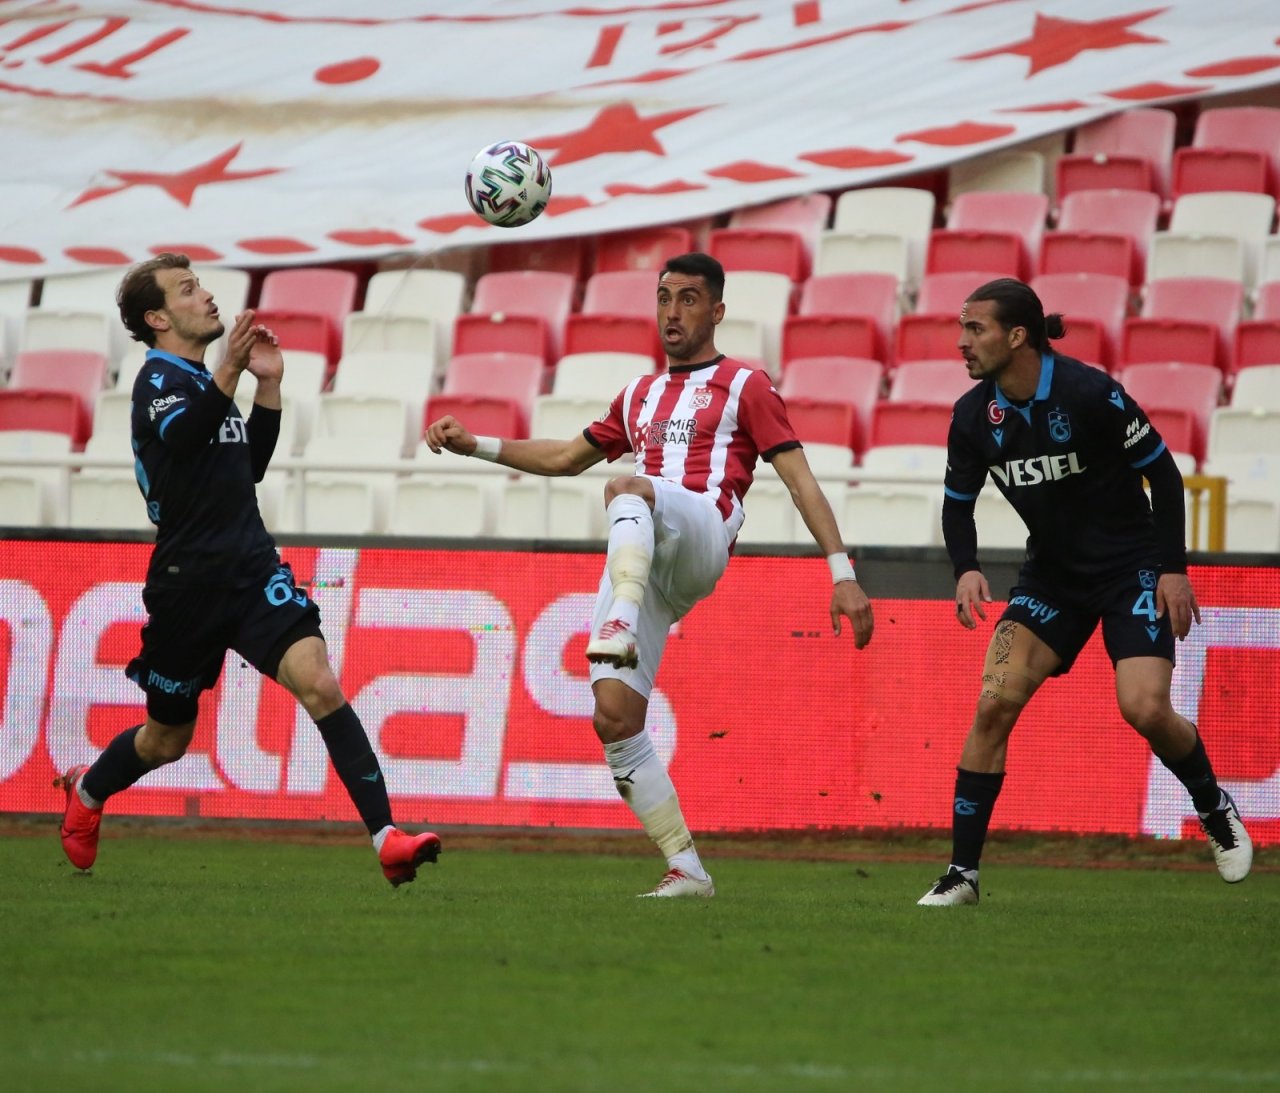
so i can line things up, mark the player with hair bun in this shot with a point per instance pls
(1069, 448)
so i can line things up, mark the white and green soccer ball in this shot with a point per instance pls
(508, 184)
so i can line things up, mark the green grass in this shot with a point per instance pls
(256, 966)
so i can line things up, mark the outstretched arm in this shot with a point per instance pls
(554, 458)
(847, 597)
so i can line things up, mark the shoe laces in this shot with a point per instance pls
(951, 881)
(1217, 825)
(614, 627)
(672, 876)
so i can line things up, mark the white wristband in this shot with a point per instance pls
(487, 448)
(841, 568)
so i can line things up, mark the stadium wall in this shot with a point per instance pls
(465, 663)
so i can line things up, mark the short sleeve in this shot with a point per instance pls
(609, 433)
(763, 416)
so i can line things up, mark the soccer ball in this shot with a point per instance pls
(508, 184)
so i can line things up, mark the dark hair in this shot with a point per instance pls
(1018, 305)
(697, 264)
(139, 293)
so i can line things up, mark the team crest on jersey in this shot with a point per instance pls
(1059, 426)
(1147, 579)
(701, 398)
(995, 415)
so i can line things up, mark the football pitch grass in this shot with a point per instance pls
(257, 965)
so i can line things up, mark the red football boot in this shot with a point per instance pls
(402, 853)
(79, 828)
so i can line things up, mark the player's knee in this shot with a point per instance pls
(319, 692)
(160, 742)
(1148, 713)
(994, 718)
(616, 487)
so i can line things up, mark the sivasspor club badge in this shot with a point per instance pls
(701, 398)
(1059, 426)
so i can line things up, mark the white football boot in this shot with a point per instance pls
(954, 888)
(1232, 847)
(615, 644)
(677, 883)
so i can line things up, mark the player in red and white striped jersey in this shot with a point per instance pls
(696, 432)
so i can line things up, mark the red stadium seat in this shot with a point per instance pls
(539, 294)
(957, 251)
(1218, 170)
(1163, 386)
(1094, 307)
(1177, 428)
(1102, 172)
(1094, 220)
(910, 423)
(822, 421)
(515, 376)
(569, 256)
(1243, 128)
(1145, 133)
(927, 338)
(829, 336)
(807, 215)
(994, 211)
(502, 333)
(622, 292)
(81, 372)
(585, 333)
(303, 333)
(1189, 319)
(848, 381)
(945, 293)
(1257, 342)
(641, 248)
(872, 295)
(45, 412)
(769, 250)
(932, 382)
(293, 295)
(482, 414)
(1089, 252)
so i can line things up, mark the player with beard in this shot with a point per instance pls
(215, 581)
(696, 431)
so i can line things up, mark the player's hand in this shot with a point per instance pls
(448, 434)
(1175, 595)
(848, 599)
(266, 362)
(972, 591)
(240, 341)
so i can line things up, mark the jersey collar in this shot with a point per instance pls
(678, 368)
(182, 362)
(1042, 389)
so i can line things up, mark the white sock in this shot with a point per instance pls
(970, 874)
(381, 837)
(85, 798)
(630, 554)
(645, 785)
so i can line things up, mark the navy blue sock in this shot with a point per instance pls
(975, 800)
(1195, 772)
(117, 768)
(357, 766)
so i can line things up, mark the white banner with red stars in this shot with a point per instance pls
(253, 132)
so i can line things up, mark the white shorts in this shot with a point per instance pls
(690, 551)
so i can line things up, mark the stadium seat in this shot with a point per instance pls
(1093, 307)
(909, 423)
(1015, 169)
(759, 299)
(1246, 217)
(598, 375)
(1092, 228)
(106, 499)
(945, 293)
(87, 296)
(869, 295)
(631, 292)
(45, 411)
(449, 505)
(641, 248)
(81, 372)
(600, 333)
(1188, 319)
(829, 336)
(537, 507)
(823, 421)
(112, 424)
(926, 462)
(502, 333)
(513, 376)
(53, 328)
(15, 302)
(388, 425)
(432, 294)
(940, 382)
(927, 338)
(1257, 388)
(767, 250)
(770, 512)
(903, 212)
(409, 376)
(230, 288)
(21, 500)
(998, 522)
(1270, 260)
(344, 504)
(1177, 254)
(847, 381)
(1244, 129)
(869, 252)
(1248, 475)
(482, 415)
(537, 294)
(952, 250)
(569, 255)
(892, 515)
(807, 215)
(1218, 170)
(21, 442)
(1144, 133)
(366, 332)
(1239, 431)
(1178, 430)
(559, 417)
(297, 419)
(1257, 343)
(292, 300)
(1102, 171)
(1021, 214)
(1161, 386)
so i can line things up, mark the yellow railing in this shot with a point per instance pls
(1208, 500)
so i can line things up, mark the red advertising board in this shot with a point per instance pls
(467, 670)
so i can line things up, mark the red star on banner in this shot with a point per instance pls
(1056, 41)
(180, 185)
(616, 128)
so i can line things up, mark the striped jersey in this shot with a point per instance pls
(699, 425)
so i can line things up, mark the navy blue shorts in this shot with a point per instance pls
(1065, 617)
(189, 631)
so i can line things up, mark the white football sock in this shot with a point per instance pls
(630, 554)
(381, 837)
(645, 785)
(86, 799)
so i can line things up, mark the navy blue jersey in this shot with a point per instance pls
(197, 468)
(1069, 461)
